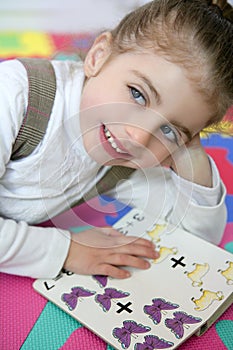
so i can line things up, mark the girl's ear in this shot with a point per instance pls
(98, 54)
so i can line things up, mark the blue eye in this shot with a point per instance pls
(137, 96)
(169, 133)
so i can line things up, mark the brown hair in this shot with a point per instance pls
(192, 33)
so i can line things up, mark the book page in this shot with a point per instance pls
(184, 288)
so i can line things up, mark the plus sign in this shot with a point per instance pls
(178, 262)
(124, 307)
(129, 223)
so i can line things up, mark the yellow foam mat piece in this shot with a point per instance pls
(25, 44)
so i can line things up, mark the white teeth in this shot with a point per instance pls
(107, 132)
(111, 141)
(119, 150)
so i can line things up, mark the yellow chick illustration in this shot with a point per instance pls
(228, 273)
(164, 252)
(206, 299)
(197, 274)
(155, 232)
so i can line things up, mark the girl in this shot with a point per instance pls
(139, 100)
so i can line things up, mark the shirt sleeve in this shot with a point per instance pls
(24, 250)
(32, 251)
(13, 89)
(199, 209)
(169, 198)
(200, 195)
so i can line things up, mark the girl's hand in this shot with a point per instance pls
(103, 251)
(191, 162)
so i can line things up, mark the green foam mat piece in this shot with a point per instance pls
(55, 324)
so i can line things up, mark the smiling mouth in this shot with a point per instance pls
(111, 140)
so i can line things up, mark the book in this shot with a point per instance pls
(183, 292)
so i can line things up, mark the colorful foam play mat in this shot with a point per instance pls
(27, 320)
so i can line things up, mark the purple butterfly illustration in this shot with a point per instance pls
(124, 333)
(101, 279)
(177, 323)
(155, 310)
(152, 342)
(104, 300)
(71, 299)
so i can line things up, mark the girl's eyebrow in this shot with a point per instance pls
(149, 84)
(158, 98)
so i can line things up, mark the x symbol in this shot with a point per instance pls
(124, 307)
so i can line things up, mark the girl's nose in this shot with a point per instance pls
(138, 135)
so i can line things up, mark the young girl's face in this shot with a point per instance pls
(137, 108)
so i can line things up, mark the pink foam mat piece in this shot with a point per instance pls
(225, 166)
(82, 339)
(20, 307)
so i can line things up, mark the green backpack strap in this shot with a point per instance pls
(42, 90)
(41, 95)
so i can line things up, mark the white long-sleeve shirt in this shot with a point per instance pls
(59, 172)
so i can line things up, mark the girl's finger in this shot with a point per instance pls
(113, 271)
